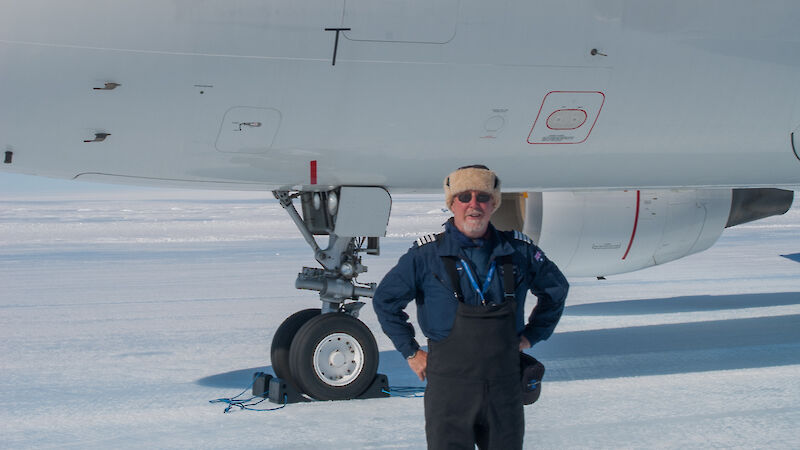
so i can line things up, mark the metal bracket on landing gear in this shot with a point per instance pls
(334, 288)
(346, 215)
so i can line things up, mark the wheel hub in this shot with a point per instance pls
(338, 359)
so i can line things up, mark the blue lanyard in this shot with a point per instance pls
(474, 283)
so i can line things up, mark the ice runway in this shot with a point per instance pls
(122, 315)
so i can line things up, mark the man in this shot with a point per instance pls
(474, 324)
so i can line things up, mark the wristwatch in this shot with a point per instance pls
(412, 356)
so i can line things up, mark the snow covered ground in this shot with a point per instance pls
(123, 313)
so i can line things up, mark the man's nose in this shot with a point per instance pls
(473, 201)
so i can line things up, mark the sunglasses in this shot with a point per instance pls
(480, 197)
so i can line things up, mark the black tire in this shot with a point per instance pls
(282, 341)
(334, 357)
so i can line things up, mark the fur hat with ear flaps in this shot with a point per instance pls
(472, 178)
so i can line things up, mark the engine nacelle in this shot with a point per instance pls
(612, 232)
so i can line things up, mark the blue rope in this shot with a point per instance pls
(245, 403)
(405, 391)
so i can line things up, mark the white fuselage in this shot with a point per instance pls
(244, 95)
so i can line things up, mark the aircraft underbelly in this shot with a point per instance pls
(409, 21)
(569, 95)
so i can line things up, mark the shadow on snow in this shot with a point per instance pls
(794, 257)
(638, 351)
(672, 349)
(692, 303)
(391, 364)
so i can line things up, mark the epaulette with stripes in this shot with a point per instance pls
(427, 239)
(522, 237)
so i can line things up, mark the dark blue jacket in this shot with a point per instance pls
(420, 275)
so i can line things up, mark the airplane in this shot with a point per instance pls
(626, 133)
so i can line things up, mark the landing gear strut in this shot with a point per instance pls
(328, 353)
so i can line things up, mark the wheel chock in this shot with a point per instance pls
(378, 389)
(277, 390)
(281, 392)
(261, 384)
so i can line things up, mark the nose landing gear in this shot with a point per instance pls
(328, 353)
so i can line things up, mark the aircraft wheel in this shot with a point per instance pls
(282, 341)
(334, 357)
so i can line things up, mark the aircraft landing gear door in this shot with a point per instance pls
(412, 21)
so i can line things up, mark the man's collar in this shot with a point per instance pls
(455, 240)
(462, 239)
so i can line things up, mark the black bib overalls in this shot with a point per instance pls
(473, 393)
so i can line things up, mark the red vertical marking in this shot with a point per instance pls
(635, 224)
(313, 167)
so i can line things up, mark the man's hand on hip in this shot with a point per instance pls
(419, 363)
(524, 343)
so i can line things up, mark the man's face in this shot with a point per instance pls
(472, 217)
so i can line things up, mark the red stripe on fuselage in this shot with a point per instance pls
(635, 224)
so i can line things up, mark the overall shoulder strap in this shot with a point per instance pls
(509, 284)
